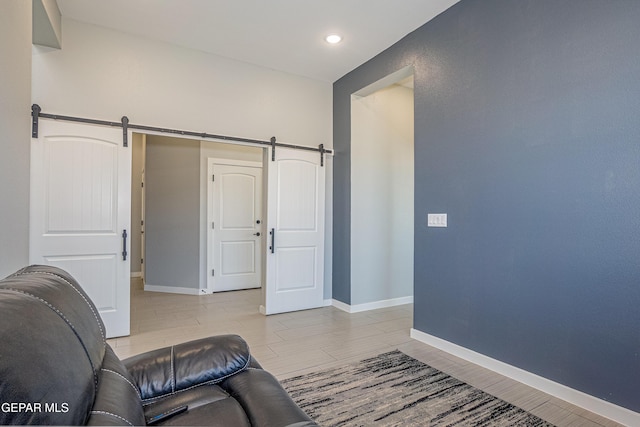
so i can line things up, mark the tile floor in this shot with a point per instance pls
(294, 343)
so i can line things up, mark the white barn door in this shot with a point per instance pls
(80, 210)
(295, 232)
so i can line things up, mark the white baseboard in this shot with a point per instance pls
(136, 274)
(263, 310)
(578, 398)
(371, 305)
(172, 290)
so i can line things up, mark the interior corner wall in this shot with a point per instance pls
(382, 195)
(15, 142)
(172, 212)
(527, 136)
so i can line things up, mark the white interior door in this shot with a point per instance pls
(235, 212)
(80, 208)
(295, 232)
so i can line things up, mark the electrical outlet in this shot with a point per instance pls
(437, 220)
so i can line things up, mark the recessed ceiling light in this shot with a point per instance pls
(333, 39)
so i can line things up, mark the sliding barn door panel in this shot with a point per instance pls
(80, 199)
(295, 256)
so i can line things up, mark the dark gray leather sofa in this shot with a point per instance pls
(57, 369)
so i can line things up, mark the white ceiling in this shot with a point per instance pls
(286, 35)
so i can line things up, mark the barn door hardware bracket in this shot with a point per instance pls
(125, 129)
(322, 151)
(273, 148)
(35, 115)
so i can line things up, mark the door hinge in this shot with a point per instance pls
(141, 260)
(213, 272)
(142, 184)
(213, 178)
(213, 225)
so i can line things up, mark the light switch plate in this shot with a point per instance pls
(437, 220)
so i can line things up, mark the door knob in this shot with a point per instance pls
(256, 234)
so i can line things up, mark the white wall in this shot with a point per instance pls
(382, 195)
(105, 74)
(15, 101)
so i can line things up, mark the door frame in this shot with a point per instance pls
(142, 206)
(210, 253)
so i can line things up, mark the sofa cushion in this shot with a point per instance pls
(118, 399)
(226, 410)
(221, 413)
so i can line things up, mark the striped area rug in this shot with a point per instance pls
(394, 389)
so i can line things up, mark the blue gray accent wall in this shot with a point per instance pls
(527, 133)
(341, 287)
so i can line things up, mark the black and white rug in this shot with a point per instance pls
(394, 389)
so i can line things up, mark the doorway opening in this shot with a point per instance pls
(382, 193)
(171, 239)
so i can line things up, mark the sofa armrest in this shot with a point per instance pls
(168, 370)
(265, 401)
